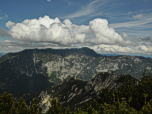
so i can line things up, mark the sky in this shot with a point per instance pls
(107, 26)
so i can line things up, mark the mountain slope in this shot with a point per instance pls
(74, 92)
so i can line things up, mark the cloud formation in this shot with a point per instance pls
(4, 33)
(52, 33)
(137, 16)
(86, 10)
(122, 50)
(147, 39)
(125, 35)
(134, 24)
(52, 30)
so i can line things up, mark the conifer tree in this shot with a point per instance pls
(9, 105)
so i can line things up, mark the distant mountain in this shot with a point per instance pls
(1, 54)
(109, 54)
(74, 92)
(127, 55)
(33, 70)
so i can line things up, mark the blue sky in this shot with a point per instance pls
(106, 26)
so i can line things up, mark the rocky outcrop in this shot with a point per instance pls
(73, 91)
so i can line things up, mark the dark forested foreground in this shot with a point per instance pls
(129, 99)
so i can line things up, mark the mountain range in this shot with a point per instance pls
(33, 72)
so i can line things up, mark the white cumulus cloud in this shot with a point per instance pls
(104, 33)
(53, 30)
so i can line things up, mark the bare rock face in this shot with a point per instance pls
(74, 91)
(45, 103)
